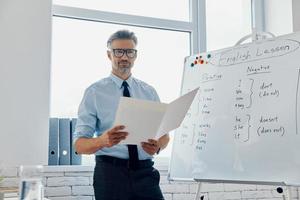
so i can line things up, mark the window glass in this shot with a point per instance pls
(227, 22)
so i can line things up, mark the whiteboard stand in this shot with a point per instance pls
(198, 194)
(256, 36)
(183, 165)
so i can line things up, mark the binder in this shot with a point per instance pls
(64, 141)
(75, 158)
(53, 141)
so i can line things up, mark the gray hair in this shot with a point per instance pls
(121, 34)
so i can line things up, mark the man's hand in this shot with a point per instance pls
(151, 147)
(113, 136)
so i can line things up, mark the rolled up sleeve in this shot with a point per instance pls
(87, 116)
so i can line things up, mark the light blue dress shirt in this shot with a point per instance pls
(98, 108)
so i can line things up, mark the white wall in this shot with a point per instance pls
(278, 16)
(296, 15)
(25, 32)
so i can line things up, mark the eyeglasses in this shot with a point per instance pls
(130, 53)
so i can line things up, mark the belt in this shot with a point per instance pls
(123, 162)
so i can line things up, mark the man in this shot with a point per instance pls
(121, 171)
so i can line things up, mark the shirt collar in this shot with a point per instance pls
(119, 81)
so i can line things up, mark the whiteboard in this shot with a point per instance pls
(244, 122)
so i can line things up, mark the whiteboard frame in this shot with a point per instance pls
(169, 169)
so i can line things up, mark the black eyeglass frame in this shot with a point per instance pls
(123, 52)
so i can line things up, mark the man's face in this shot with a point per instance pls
(122, 55)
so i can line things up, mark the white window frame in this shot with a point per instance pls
(258, 15)
(196, 23)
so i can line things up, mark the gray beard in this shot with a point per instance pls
(124, 70)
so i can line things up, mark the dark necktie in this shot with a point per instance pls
(132, 149)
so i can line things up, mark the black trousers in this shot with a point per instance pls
(114, 180)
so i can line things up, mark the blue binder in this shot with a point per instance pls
(53, 141)
(75, 158)
(64, 141)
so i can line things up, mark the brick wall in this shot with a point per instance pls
(75, 183)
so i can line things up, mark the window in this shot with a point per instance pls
(227, 22)
(79, 58)
(167, 9)
(166, 36)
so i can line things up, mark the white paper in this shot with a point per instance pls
(145, 120)
(176, 112)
